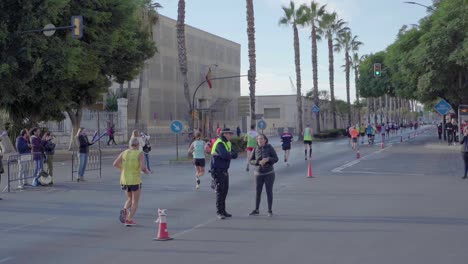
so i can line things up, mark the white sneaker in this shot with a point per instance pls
(20, 186)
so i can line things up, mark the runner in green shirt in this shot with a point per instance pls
(307, 141)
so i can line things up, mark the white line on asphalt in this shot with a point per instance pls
(389, 173)
(5, 259)
(193, 228)
(354, 162)
(23, 226)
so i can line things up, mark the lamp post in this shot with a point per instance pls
(414, 3)
(200, 85)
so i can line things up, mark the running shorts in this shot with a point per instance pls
(286, 147)
(131, 188)
(308, 142)
(199, 162)
(249, 148)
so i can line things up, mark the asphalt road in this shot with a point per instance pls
(401, 204)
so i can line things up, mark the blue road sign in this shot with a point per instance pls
(443, 107)
(176, 126)
(315, 109)
(262, 124)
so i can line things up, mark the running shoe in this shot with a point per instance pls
(254, 212)
(270, 213)
(247, 168)
(123, 215)
(130, 223)
(221, 216)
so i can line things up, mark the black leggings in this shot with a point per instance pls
(465, 158)
(268, 180)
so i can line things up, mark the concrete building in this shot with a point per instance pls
(162, 94)
(280, 111)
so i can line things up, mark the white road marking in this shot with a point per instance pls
(354, 162)
(23, 226)
(379, 172)
(193, 228)
(5, 259)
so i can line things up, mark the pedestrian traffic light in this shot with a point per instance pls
(77, 26)
(377, 69)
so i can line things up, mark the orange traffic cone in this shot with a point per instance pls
(163, 235)
(358, 154)
(310, 174)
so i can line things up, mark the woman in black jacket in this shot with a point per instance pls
(84, 152)
(464, 150)
(263, 158)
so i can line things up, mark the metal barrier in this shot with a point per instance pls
(21, 167)
(94, 162)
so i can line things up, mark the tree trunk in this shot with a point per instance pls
(386, 108)
(331, 71)
(75, 118)
(374, 110)
(348, 99)
(315, 73)
(138, 103)
(297, 60)
(356, 74)
(182, 51)
(252, 58)
(369, 99)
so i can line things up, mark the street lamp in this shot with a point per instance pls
(414, 3)
(203, 82)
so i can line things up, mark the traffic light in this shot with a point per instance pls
(377, 69)
(77, 26)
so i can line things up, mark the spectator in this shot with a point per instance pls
(238, 131)
(439, 130)
(110, 133)
(449, 129)
(24, 156)
(263, 158)
(49, 149)
(38, 154)
(136, 134)
(464, 150)
(146, 149)
(84, 152)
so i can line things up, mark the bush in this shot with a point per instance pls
(332, 133)
(238, 144)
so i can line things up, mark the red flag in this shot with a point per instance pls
(208, 78)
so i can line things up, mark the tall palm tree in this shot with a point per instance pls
(356, 61)
(311, 16)
(182, 52)
(292, 17)
(252, 61)
(330, 26)
(344, 44)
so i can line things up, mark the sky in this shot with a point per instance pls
(375, 22)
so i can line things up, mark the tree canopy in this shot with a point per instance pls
(41, 77)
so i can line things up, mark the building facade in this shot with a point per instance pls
(162, 89)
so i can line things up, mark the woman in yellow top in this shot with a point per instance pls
(131, 162)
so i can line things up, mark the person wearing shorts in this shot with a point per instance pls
(307, 141)
(251, 138)
(286, 139)
(354, 135)
(197, 148)
(131, 162)
(362, 132)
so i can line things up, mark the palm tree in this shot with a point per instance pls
(252, 61)
(182, 51)
(291, 17)
(356, 61)
(344, 43)
(330, 26)
(311, 16)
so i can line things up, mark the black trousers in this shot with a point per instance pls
(222, 187)
(267, 180)
(465, 159)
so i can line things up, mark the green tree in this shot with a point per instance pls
(343, 42)
(292, 17)
(312, 15)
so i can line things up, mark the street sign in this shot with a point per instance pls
(262, 124)
(176, 127)
(49, 30)
(442, 107)
(315, 109)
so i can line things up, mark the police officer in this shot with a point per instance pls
(221, 155)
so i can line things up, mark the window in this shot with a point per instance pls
(272, 113)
